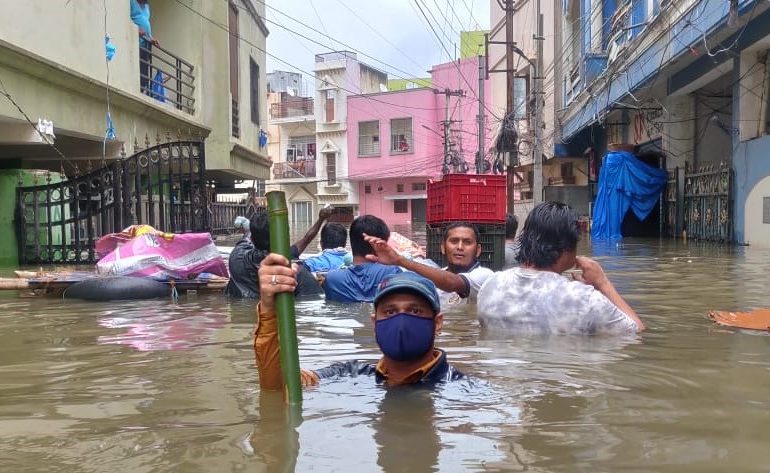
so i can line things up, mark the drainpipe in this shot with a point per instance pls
(762, 125)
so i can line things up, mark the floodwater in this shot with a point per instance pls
(162, 386)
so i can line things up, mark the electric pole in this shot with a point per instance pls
(509, 104)
(537, 185)
(482, 145)
(446, 125)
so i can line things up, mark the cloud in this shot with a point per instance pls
(393, 32)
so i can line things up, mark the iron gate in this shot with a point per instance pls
(708, 203)
(163, 186)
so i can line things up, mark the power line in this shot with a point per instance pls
(45, 138)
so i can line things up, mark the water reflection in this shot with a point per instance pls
(157, 386)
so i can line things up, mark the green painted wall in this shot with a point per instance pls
(9, 248)
(472, 43)
(400, 84)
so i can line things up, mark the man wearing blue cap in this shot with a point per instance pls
(406, 318)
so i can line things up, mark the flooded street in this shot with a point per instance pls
(156, 386)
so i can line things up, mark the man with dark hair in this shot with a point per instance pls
(407, 317)
(251, 250)
(536, 298)
(511, 246)
(358, 282)
(462, 278)
(334, 237)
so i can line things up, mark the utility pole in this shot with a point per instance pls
(537, 185)
(482, 145)
(446, 125)
(509, 104)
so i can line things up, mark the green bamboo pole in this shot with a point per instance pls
(278, 218)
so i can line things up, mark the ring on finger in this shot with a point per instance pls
(273, 281)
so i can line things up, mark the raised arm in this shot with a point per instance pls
(302, 243)
(444, 280)
(593, 274)
(275, 276)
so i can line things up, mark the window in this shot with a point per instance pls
(331, 95)
(368, 138)
(331, 168)
(399, 188)
(765, 210)
(400, 206)
(418, 186)
(302, 212)
(401, 135)
(367, 189)
(301, 148)
(254, 89)
(520, 93)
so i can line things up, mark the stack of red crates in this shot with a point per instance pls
(475, 198)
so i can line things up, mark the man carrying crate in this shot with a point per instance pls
(460, 281)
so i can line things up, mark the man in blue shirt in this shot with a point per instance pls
(333, 239)
(140, 15)
(358, 283)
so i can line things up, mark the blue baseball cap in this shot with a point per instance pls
(408, 281)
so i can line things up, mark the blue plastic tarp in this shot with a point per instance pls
(625, 183)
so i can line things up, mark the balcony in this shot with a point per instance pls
(167, 78)
(294, 107)
(294, 170)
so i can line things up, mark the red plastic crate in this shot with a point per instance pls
(469, 197)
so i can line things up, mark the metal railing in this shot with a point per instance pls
(162, 186)
(167, 78)
(292, 108)
(294, 170)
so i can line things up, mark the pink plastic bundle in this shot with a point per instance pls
(405, 246)
(160, 255)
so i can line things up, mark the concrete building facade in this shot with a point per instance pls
(211, 59)
(684, 85)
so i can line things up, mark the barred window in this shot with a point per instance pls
(400, 206)
(418, 186)
(401, 135)
(368, 138)
(399, 188)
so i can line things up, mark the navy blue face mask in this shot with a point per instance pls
(404, 337)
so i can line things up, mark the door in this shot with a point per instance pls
(419, 210)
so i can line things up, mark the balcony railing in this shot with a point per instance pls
(167, 78)
(292, 108)
(294, 170)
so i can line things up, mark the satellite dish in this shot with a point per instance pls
(383, 88)
(290, 91)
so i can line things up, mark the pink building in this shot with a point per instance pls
(396, 144)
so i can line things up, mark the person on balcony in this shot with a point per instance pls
(140, 15)
(249, 252)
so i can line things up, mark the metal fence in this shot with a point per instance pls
(163, 186)
(708, 203)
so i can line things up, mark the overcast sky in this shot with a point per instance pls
(391, 31)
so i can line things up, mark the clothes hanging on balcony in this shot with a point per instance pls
(625, 183)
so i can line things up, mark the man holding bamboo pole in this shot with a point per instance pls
(407, 318)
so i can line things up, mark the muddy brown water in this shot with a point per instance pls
(157, 386)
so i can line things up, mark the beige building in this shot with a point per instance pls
(52, 64)
(564, 177)
(309, 138)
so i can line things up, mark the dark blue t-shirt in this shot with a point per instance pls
(357, 283)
